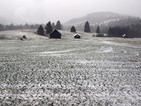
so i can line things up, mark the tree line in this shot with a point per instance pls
(133, 30)
(87, 28)
(49, 27)
(16, 27)
(129, 31)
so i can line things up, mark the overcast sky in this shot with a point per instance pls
(42, 11)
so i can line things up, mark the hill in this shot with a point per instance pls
(96, 18)
(103, 19)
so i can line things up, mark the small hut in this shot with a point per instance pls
(55, 34)
(77, 36)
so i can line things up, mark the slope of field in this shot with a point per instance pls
(69, 72)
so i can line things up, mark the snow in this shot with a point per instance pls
(91, 71)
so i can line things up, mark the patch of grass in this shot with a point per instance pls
(68, 72)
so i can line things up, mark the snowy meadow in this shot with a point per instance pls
(90, 71)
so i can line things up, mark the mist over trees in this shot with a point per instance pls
(17, 27)
(131, 26)
(104, 20)
(11, 26)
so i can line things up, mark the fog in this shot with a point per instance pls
(41, 11)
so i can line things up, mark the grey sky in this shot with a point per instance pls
(41, 11)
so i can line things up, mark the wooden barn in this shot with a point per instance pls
(55, 34)
(77, 36)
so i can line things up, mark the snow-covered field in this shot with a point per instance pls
(69, 72)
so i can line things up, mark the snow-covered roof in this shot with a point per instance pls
(77, 34)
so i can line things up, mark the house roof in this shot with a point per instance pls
(55, 34)
(77, 34)
(55, 31)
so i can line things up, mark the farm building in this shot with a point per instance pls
(78, 36)
(55, 34)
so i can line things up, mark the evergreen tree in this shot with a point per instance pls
(109, 31)
(1, 27)
(73, 29)
(26, 26)
(11, 27)
(40, 30)
(98, 30)
(58, 25)
(48, 28)
(118, 31)
(87, 27)
(53, 25)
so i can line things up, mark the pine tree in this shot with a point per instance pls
(1, 27)
(40, 30)
(58, 25)
(26, 26)
(48, 28)
(110, 31)
(87, 27)
(73, 29)
(53, 25)
(98, 30)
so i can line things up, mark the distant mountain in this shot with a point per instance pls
(102, 19)
(97, 18)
